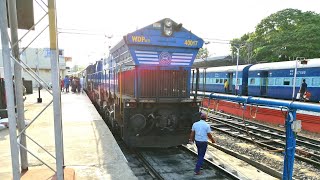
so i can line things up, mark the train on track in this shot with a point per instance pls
(143, 89)
(271, 80)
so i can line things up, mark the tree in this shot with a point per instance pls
(289, 33)
(245, 47)
(203, 53)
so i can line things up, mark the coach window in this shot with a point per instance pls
(316, 82)
(279, 81)
(212, 79)
(221, 80)
(298, 81)
(252, 81)
(308, 80)
(217, 81)
(271, 81)
(286, 82)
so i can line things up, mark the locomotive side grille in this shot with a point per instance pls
(148, 83)
(127, 82)
(163, 83)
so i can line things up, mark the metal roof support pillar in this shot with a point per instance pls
(18, 81)
(56, 90)
(290, 147)
(9, 90)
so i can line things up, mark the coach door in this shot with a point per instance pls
(263, 83)
(230, 81)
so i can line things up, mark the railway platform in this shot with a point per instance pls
(90, 150)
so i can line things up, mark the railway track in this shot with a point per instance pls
(170, 163)
(140, 168)
(178, 163)
(265, 136)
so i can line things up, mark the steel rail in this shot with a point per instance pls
(280, 135)
(147, 165)
(230, 174)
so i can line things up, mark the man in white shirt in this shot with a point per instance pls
(200, 132)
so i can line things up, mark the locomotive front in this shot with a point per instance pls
(149, 85)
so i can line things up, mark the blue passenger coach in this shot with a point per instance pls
(146, 94)
(275, 80)
(216, 76)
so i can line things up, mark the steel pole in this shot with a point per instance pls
(56, 90)
(236, 84)
(9, 90)
(18, 81)
(39, 100)
(290, 147)
(294, 81)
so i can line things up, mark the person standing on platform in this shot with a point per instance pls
(303, 89)
(81, 84)
(78, 84)
(226, 86)
(200, 132)
(66, 83)
(61, 84)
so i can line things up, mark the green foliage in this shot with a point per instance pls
(203, 53)
(290, 32)
(245, 47)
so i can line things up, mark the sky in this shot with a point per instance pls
(85, 25)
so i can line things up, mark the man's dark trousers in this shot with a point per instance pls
(202, 148)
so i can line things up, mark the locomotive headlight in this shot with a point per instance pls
(168, 31)
(130, 105)
(168, 23)
(167, 26)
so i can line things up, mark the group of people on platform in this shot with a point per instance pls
(75, 83)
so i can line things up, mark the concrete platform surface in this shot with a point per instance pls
(89, 147)
(38, 173)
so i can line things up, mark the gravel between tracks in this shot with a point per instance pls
(274, 160)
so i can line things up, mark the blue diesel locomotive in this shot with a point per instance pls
(273, 80)
(143, 88)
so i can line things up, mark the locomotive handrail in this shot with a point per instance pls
(120, 84)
